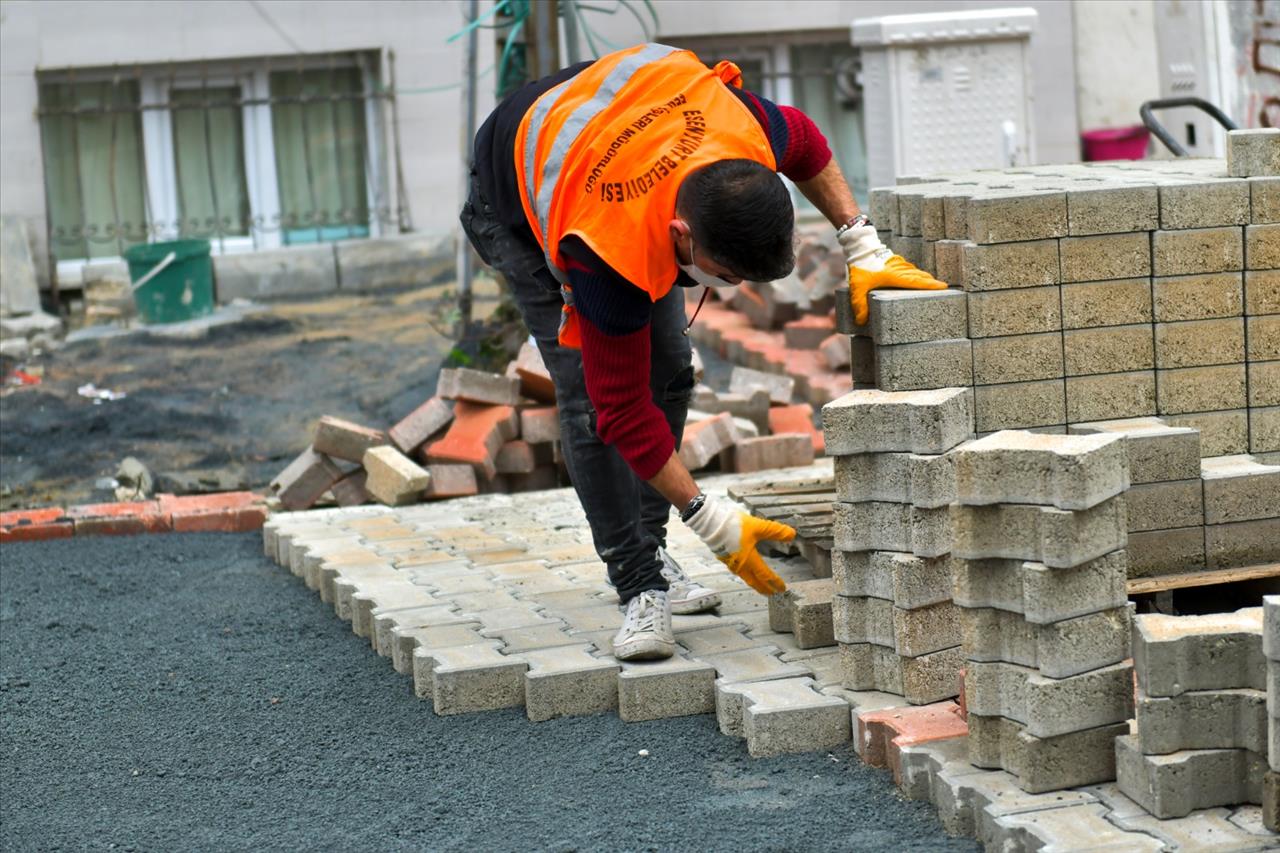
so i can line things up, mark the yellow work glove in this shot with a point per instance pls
(872, 265)
(732, 535)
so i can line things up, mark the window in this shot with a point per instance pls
(252, 154)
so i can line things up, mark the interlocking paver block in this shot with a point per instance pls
(998, 216)
(704, 440)
(1112, 209)
(342, 439)
(884, 732)
(1206, 829)
(474, 678)
(1058, 649)
(369, 601)
(1022, 358)
(1239, 488)
(1067, 471)
(1165, 506)
(475, 386)
(1197, 297)
(1044, 764)
(722, 638)
(1050, 706)
(969, 800)
(908, 580)
(1271, 627)
(760, 663)
(385, 624)
(545, 636)
(475, 436)
(1176, 784)
(882, 526)
(1106, 303)
(1058, 538)
(1204, 205)
(305, 479)
(789, 715)
(1203, 719)
(1039, 593)
(656, 690)
(925, 422)
(920, 680)
(925, 480)
(912, 316)
(392, 477)
(569, 682)
(415, 428)
(805, 611)
(406, 640)
(1073, 828)
(911, 633)
(1197, 250)
(1173, 654)
(1254, 151)
(924, 365)
(743, 380)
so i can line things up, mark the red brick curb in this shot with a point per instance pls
(225, 512)
(884, 733)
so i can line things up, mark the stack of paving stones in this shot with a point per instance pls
(1201, 738)
(1271, 650)
(1040, 572)
(891, 565)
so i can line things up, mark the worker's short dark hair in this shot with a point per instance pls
(741, 215)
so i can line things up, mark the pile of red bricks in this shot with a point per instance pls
(227, 512)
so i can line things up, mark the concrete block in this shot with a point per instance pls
(1055, 537)
(305, 479)
(1108, 210)
(404, 644)
(1197, 250)
(999, 267)
(925, 422)
(1221, 651)
(1253, 152)
(1264, 197)
(1067, 471)
(1166, 552)
(883, 208)
(1242, 543)
(568, 682)
(879, 526)
(342, 439)
(1264, 383)
(1108, 349)
(913, 316)
(971, 801)
(1271, 628)
(1019, 358)
(1109, 396)
(1197, 297)
(274, 273)
(920, 763)
(1044, 764)
(925, 365)
(405, 261)
(920, 680)
(474, 678)
(1262, 291)
(1200, 389)
(1264, 337)
(805, 611)
(1203, 719)
(1221, 433)
(1177, 784)
(1204, 205)
(907, 580)
(417, 427)
(450, 481)
(1106, 303)
(925, 480)
(1019, 405)
(1048, 707)
(1271, 800)
(392, 478)
(1024, 311)
(1157, 452)
(746, 381)
(1164, 506)
(1198, 343)
(476, 386)
(704, 440)
(911, 633)
(1264, 430)
(1057, 649)
(758, 663)
(1076, 827)
(657, 690)
(1239, 488)
(1040, 594)
(787, 450)
(1106, 256)
(789, 715)
(1016, 216)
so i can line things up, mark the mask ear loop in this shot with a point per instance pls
(705, 291)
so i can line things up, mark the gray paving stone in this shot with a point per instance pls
(1058, 538)
(517, 640)
(722, 638)
(1041, 594)
(331, 567)
(406, 640)
(472, 678)
(569, 682)
(1165, 506)
(1048, 707)
(1271, 627)
(1203, 719)
(1083, 827)
(1044, 764)
(912, 316)
(386, 624)
(1067, 471)
(925, 422)
(970, 800)
(505, 618)
(655, 690)
(1157, 451)
(374, 599)
(1208, 829)
(1177, 784)
(909, 581)
(1173, 654)
(804, 610)
(755, 664)
(925, 480)
(789, 715)
(352, 580)
(1239, 488)
(921, 680)
(882, 526)
(1057, 649)
(920, 763)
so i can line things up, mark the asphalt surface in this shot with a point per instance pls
(181, 692)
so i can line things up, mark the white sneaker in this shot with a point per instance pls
(646, 628)
(687, 595)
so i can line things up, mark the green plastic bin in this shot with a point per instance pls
(171, 289)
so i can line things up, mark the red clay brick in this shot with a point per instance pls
(421, 425)
(515, 457)
(477, 386)
(43, 515)
(540, 425)
(305, 479)
(216, 501)
(451, 481)
(787, 450)
(796, 418)
(345, 440)
(809, 331)
(240, 520)
(475, 437)
(120, 519)
(883, 733)
(703, 440)
(535, 379)
(38, 531)
(350, 490)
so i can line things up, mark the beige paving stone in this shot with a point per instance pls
(1106, 303)
(1221, 432)
(472, 678)
(755, 664)
(407, 640)
(568, 682)
(1198, 297)
(675, 687)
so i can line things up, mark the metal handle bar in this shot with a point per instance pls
(1149, 120)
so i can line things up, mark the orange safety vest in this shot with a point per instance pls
(602, 155)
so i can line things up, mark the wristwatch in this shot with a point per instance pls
(856, 222)
(692, 509)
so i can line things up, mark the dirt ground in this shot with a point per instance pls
(226, 410)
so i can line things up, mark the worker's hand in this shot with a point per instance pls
(732, 534)
(872, 265)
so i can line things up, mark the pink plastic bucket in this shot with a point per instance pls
(1115, 143)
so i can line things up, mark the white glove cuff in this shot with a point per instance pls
(862, 248)
(718, 525)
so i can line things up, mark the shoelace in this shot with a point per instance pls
(645, 615)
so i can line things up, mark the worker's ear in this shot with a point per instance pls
(679, 229)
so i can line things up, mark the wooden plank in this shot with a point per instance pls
(755, 501)
(787, 487)
(1160, 583)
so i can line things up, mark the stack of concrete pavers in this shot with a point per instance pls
(1271, 650)
(1040, 568)
(891, 566)
(1201, 736)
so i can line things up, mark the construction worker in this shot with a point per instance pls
(596, 191)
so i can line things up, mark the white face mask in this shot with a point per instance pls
(700, 275)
